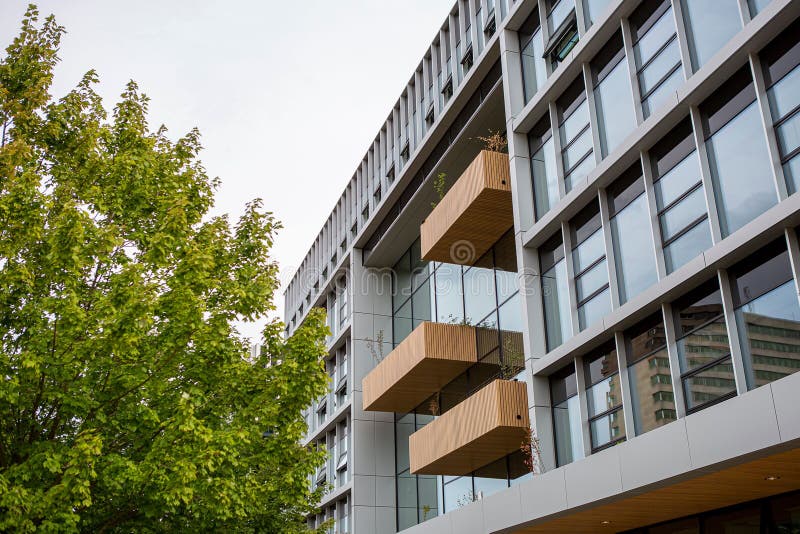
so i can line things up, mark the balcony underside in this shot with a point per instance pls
(473, 215)
(430, 357)
(485, 427)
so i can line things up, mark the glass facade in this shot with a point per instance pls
(555, 293)
(737, 153)
(649, 376)
(604, 397)
(630, 230)
(543, 168)
(566, 416)
(612, 95)
(593, 10)
(767, 315)
(534, 66)
(576, 135)
(706, 39)
(680, 199)
(589, 266)
(656, 52)
(781, 62)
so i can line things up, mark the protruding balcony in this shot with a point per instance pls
(473, 214)
(485, 427)
(430, 357)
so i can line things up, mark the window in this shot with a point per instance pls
(592, 9)
(680, 198)
(566, 416)
(782, 76)
(604, 397)
(468, 61)
(703, 348)
(491, 25)
(589, 265)
(655, 50)
(534, 68)
(575, 133)
(563, 30)
(737, 153)
(756, 6)
(554, 293)
(767, 315)
(341, 462)
(343, 522)
(447, 90)
(631, 236)
(706, 39)
(543, 168)
(649, 375)
(613, 97)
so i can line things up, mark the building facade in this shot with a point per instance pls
(594, 327)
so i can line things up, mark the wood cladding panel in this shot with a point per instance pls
(725, 487)
(483, 428)
(430, 357)
(473, 215)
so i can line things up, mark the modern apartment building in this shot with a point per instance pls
(595, 328)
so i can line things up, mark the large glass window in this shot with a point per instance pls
(682, 214)
(534, 67)
(649, 375)
(756, 6)
(705, 39)
(575, 133)
(655, 49)
(562, 28)
(767, 315)
(630, 230)
(543, 168)
(737, 153)
(555, 299)
(612, 94)
(589, 265)
(604, 397)
(593, 9)
(703, 348)
(566, 416)
(782, 76)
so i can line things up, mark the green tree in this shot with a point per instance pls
(128, 400)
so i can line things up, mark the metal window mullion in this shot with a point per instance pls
(581, 19)
(541, 414)
(588, 88)
(455, 38)
(625, 386)
(705, 175)
(633, 78)
(474, 30)
(653, 215)
(683, 40)
(744, 12)
(556, 135)
(767, 123)
(605, 225)
(674, 359)
(571, 289)
(530, 282)
(521, 175)
(737, 354)
(545, 29)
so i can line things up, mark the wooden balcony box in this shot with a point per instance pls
(485, 427)
(473, 215)
(430, 357)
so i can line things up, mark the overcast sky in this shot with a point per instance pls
(287, 95)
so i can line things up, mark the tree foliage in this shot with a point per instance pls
(128, 401)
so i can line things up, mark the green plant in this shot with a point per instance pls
(440, 186)
(375, 347)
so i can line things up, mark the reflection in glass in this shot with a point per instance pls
(784, 102)
(534, 69)
(545, 178)
(556, 305)
(576, 142)
(706, 39)
(614, 108)
(633, 249)
(592, 9)
(741, 171)
(567, 425)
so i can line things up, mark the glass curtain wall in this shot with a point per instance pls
(737, 153)
(631, 235)
(589, 266)
(649, 375)
(566, 415)
(555, 293)
(782, 77)
(604, 397)
(680, 198)
(767, 314)
(703, 347)
(656, 53)
(612, 95)
(534, 66)
(543, 168)
(575, 134)
(706, 39)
